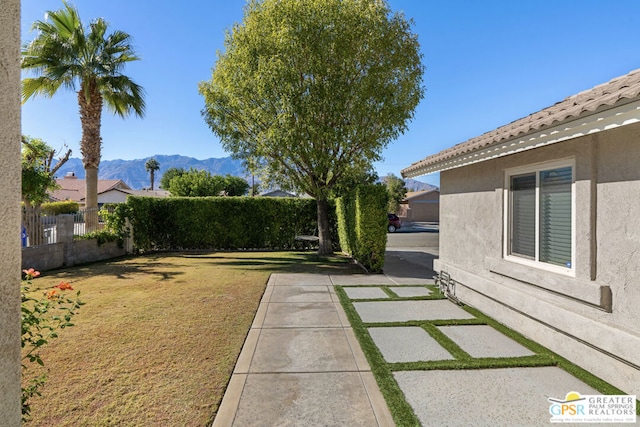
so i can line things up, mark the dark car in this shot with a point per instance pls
(394, 222)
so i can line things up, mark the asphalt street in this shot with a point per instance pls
(411, 251)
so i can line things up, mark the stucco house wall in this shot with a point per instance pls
(112, 196)
(589, 312)
(10, 213)
(593, 322)
(421, 206)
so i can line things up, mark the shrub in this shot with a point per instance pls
(41, 319)
(371, 226)
(60, 208)
(115, 229)
(362, 225)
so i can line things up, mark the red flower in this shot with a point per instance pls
(52, 294)
(63, 286)
(31, 273)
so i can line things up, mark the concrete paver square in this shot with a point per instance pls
(365, 293)
(305, 399)
(410, 291)
(302, 350)
(484, 341)
(407, 344)
(287, 279)
(361, 279)
(402, 311)
(509, 396)
(300, 293)
(292, 315)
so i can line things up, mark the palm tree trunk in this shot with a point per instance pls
(152, 178)
(90, 102)
(91, 200)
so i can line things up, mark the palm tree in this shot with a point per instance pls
(152, 166)
(66, 54)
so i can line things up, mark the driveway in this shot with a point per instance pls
(411, 251)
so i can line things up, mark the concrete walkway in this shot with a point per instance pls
(301, 364)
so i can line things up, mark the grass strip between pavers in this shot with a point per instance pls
(435, 293)
(575, 370)
(383, 371)
(401, 411)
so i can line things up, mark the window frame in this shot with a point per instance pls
(537, 168)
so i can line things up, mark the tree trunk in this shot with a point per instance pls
(90, 102)
(91, 199)
(152, 178)
(324, 233)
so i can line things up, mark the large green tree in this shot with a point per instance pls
(314, 90)
(65, 53)
(168, 175)
(200, 183)
(38, 170)
(396, 190)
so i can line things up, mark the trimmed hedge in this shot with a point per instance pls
(346, 213)
(222, 223)
(60, 208)
(362, 222)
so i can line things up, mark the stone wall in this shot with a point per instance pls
(68, 252)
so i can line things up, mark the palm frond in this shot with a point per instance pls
(39, 86)
(122, 95)
(65, 54)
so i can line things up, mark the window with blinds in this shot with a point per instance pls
(540, 216)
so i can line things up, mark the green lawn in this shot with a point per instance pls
(159, 335)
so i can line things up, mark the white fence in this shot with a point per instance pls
(38, 228)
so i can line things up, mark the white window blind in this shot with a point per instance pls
(555, 216)
(540, 216)
(523, 223)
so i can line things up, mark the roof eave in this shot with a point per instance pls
(621, 114)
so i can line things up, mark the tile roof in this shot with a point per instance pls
(413, 194)
(615, 92)
(74, 189)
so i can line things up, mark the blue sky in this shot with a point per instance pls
(487, 63)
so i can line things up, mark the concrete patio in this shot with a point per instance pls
(301, 364)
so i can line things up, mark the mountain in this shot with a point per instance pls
(134, 174)
(413, 185)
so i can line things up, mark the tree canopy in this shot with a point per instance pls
(200, 183)
(313, 90)
(168, 175)
(38, 170)
(396, 190)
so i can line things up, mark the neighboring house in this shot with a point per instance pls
(149, 193)
(109, 190)
(277, 193)
(540, 228)
(420, 206)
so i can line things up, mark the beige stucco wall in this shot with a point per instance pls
(592, 318)
(9, 212)
(425, 207)
(113, 196)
